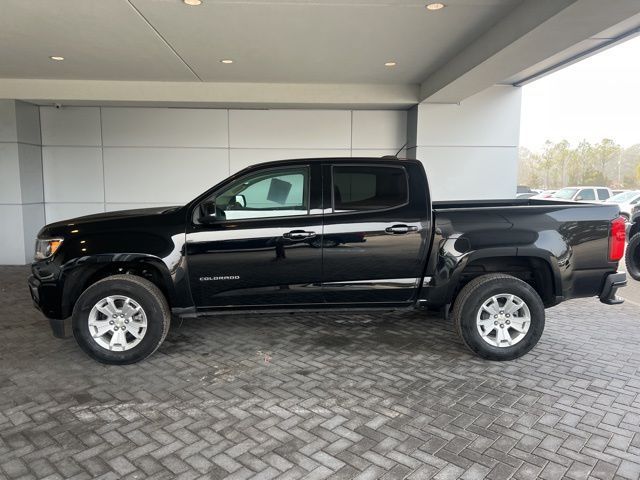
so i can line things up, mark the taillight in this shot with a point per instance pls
(616, 239)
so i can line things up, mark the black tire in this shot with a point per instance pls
(632, 257)
(142, 291)
(472, 297)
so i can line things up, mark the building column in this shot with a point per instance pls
(469, 150)
(21, 186)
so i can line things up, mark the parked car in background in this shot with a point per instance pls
(545, 193)
(582, 194)
(632, 253)
(617, 192)
(526, 195)
(626, 201)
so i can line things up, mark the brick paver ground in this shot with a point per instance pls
(383, 395)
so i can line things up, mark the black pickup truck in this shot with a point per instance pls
(325, 234)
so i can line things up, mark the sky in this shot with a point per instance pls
(596, 98)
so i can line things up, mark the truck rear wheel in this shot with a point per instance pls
(632, 257)
(121, 319)
(499, 317)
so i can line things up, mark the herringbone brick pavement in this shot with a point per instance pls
(322, 396)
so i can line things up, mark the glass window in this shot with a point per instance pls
(565, 193)
(368, 187)
(603, 194)
(280, 192)
(587, 194)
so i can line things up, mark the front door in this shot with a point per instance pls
(257, 242)
(376, 233)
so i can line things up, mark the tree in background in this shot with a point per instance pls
(605, 163)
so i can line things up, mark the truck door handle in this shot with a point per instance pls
(400, 229)
(298, 235)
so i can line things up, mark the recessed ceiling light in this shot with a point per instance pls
(226, 60)
(56, 58)
(192, 3)
(435, 6)
(390, 64)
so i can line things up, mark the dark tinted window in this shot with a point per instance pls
(603, 193)
(368, 187)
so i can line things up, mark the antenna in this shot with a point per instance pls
(405, 144)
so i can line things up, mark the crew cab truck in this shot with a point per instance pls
(325, 234)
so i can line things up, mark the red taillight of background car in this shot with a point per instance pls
(616, 239)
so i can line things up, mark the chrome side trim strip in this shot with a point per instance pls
(376, 283)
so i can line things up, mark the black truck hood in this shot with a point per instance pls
(121, 219)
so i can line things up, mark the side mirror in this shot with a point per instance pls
(578, 198)
(240, 200)
(209, 213)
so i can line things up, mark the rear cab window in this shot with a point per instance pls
(368, 187)
(603, 194)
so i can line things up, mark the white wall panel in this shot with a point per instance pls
(28, 123)
(31, 173)
(489, 118)
(378, 152)
(9, 173)
(8, 128)
(290, 128)
(32, 221)
(379, 129)
(458, 173)
(164, 127)
(244, 157)
(64, 211)
(73, 174)
(161, 175)
(70, 126)
(12, 246)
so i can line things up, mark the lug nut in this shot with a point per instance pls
(111, 322)
(508, 322)
(507, 315)
(495, 323)
(495, 316)
(115, 328)
(501, 312)
(122, 315)
(126, 321)
(502, 325)
(115, 316)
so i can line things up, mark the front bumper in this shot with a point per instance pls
(612, 282)
(46, 298)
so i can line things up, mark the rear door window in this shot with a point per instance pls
(368, 187)
(603, 194)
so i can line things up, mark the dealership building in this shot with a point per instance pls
(129, 104)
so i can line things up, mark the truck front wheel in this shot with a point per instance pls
(499, 316)
(121, 319)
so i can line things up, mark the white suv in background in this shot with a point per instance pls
(582, 194)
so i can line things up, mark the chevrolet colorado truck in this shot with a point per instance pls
(323, 234)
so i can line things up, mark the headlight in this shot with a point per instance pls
(45, 247)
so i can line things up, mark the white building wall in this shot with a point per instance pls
(98, 159)
(21, 193)
(470, 150)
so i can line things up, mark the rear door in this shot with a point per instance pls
(376, 235)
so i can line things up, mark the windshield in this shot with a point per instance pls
(623, 197)
(565, 193)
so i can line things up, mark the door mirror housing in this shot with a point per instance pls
(240, 200)
(208, 213)
(578, 198)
